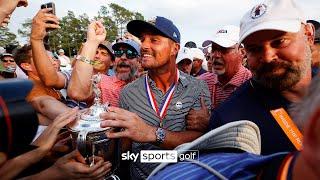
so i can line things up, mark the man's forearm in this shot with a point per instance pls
(80, 85)
(47, 73)
(16, 165)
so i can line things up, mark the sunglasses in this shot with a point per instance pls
(3, 60)
(129, 53)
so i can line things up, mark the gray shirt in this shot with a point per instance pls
(186, 97)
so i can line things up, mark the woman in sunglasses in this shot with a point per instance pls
(8, 66)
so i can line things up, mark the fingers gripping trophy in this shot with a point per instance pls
(89, 138)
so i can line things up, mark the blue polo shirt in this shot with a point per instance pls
(253, 102)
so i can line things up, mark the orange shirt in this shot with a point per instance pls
(39, 89)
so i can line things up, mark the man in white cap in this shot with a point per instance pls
(184, 60)
(65, 60)
(278, 51)
(198, 59)
(229, 73)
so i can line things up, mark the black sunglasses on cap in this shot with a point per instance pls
(129, 53)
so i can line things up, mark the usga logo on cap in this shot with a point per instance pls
(258, 11)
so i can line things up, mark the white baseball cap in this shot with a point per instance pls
(226, 36)
(184, 53)
(198, 54)
(282, 15)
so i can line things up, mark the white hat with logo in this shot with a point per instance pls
(227, 36)
(184, 53)
(198, 54)
(282, 15)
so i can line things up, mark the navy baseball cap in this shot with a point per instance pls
(127, 42)
(159, 24)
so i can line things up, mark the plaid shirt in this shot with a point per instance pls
(220, 92)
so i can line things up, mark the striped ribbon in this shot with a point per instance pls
(161, 112)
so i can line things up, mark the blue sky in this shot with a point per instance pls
(197, 20)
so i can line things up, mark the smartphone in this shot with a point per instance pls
(49, 5)
(53, 11)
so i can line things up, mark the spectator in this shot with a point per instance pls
(184, 60)
(279, 56)
(9, 66)
(65, 60)
(197, 63)
(24, 59)
(229, 74)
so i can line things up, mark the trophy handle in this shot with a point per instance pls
(82, 143)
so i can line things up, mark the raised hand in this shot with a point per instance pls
(42, 21)
(96, 32)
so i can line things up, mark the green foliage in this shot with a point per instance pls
(7, 38)
(73, 29)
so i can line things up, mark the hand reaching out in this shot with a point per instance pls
(49, 136)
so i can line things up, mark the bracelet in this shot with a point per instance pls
(84, 59)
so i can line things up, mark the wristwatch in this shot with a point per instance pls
(160, 135)
(84, 59)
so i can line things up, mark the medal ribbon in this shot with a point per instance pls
(161, 112)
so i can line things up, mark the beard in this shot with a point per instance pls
(125, 76)
(289, 75)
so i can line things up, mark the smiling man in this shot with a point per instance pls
(279, 56)
(154, 107)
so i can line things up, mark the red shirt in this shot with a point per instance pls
(220, 92)
(111, 87)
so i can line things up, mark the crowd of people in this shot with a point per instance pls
(163, 96)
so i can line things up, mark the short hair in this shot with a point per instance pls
(23, 55)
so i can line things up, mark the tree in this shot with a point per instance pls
(73, 29)
(7, 38)
(26, 29)
(122, 16)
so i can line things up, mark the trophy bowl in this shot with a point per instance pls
(90, 139)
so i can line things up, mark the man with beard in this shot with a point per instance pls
(278, 51)
(154, 106)
(229, 73)
(125, 66)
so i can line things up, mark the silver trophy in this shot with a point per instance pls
(87, 135)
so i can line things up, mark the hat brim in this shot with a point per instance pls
(119, 44)
(292, 26)
(109, 49)
(224, 42)
(184, 57)
(137, 27)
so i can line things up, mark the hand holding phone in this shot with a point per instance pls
(49, 5)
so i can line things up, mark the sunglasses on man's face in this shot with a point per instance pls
(129, 53)
(4, 60)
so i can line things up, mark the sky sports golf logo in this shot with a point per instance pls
(159, 156)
